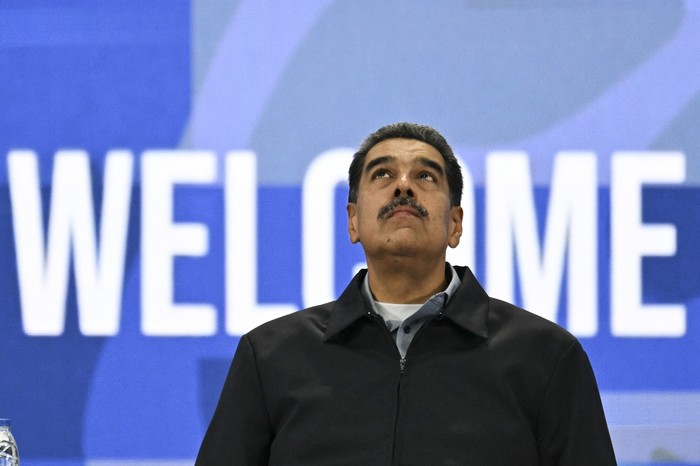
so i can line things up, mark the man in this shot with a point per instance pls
(414, 364)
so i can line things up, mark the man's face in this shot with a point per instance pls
(403, 203)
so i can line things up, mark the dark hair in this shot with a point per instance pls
(415, 131)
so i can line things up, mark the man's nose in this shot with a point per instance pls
(403, 187)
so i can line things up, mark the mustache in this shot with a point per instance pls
(402, 201)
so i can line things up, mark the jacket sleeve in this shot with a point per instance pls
(240, 431)
(571, 429)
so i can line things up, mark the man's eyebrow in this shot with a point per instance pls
(432, 164)
(378, 161)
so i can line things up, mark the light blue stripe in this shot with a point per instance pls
(652, 408)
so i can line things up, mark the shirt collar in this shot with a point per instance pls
(437, 301)
(467, 304)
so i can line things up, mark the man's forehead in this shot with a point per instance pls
(400, 148)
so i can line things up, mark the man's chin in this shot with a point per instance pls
(404, 242)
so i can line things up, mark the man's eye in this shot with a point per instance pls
(381, 173)
(426, 176)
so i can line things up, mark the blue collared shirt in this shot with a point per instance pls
(403, 330)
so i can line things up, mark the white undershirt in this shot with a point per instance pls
(404, 320)
(397, 312)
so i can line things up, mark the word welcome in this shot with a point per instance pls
(513, 252)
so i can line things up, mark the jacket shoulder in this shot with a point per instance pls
(507, 320)
(304, 323)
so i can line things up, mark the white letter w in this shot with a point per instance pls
(43, 271)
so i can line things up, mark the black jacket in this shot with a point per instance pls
(484, 383)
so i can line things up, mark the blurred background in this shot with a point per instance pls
(174, 174)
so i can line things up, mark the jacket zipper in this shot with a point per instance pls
(402, 368)
(397, 415)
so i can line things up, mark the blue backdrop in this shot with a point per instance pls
(173, 174)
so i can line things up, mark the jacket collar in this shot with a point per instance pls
(350, 307)
(468, 308)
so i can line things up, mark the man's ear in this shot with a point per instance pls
(456, 215)
(352, 223)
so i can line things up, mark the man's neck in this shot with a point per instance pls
(406, 282)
